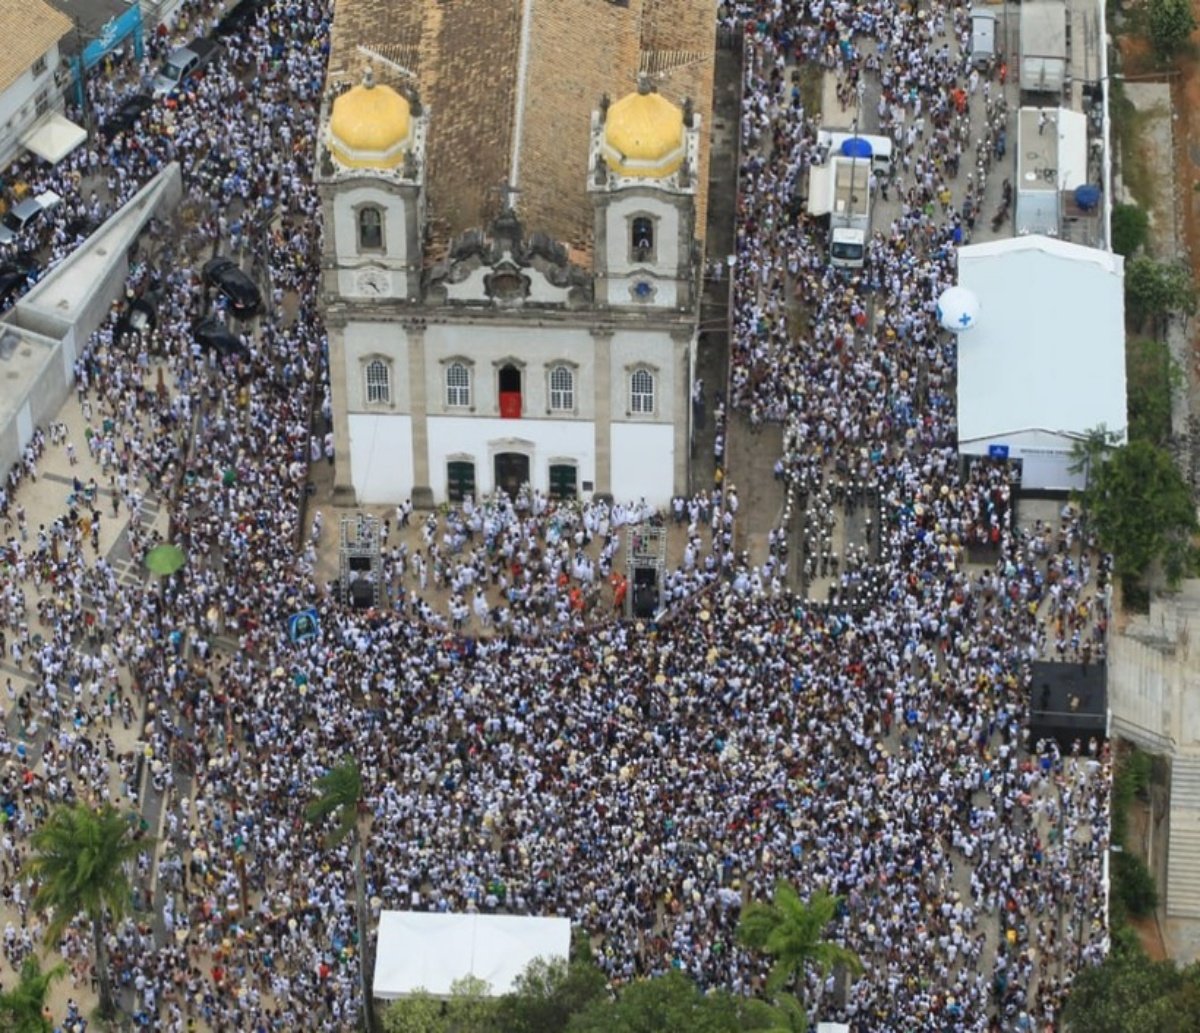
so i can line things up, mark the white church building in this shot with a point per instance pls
(511, 270)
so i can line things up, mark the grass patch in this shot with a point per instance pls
(809, 75)
(1128, 127)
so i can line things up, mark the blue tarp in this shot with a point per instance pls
(856, 147)
(1087, 196)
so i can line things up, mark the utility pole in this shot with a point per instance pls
(81, 81)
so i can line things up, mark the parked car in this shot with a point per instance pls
(184, 64)
(24, 215)
(126, 115)
(139, 317)
(241, 291)
(239, 18)
(214, 335)
(14, 276)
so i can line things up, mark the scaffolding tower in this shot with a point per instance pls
(360, 560)
(645, 566)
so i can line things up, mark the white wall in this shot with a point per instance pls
(381, 457)
(486, 345)
(666, 232)
(363, 340)
(1046, 458)
(653, 349)
(643, 462)
(544, 441)
(395, 232)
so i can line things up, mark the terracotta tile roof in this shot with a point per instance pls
(29, 28)
(465, 57)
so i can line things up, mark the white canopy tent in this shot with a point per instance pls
(431, 951)
(55, 138)
(1045, 363)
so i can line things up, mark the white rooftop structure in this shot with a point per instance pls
(1045, 362)
(431, 951)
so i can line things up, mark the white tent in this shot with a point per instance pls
(431, 951)
(55, 138)
(1046, 361)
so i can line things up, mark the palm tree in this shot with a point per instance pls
(78, 865)
(789, 931)
(340, 794)
(23, 1008)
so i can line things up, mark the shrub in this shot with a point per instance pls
(1130, 228)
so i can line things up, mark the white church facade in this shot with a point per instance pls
(501, 356)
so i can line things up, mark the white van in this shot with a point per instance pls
(983, 37)
(830, 141)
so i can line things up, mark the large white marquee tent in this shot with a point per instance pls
(1044, 362)
(431, 951)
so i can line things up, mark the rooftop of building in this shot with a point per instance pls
(29, 29)
(510, 99)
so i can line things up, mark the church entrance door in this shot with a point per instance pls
(512, 470)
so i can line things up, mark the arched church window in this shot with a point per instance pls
(370, 229)
(642, 239)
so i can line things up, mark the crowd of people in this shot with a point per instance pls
(644, 779)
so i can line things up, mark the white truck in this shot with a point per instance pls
(840, 190)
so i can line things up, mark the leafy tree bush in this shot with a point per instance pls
(1152, 377)
(1134, 884)
(1169, 24)
(1142, 510)
(1130, 228)
(1156, 289)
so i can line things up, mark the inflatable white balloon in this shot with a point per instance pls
(958, 309)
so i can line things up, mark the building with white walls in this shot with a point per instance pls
(511, 259)
(31, 93)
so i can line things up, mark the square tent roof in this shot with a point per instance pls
(1048, 350)
(431, 951)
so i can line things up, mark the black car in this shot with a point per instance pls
(241, 291)
(240, 18)
(139, 317)
(126, 116)
(214, 335)
(13, 278)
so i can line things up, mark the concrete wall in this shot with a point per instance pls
(1154, 674)
(643, 462)
(381, 455)
(543, 441)
(64, 308)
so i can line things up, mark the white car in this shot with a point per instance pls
(24, 214)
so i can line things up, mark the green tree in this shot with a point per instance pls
(468, 1009)
(547, 994)
(1142, 511)
(419, 1012)
(1152, 377)
(1154, 290)
(78, 863)
(340, 792)
(23, 1008)
(1130, 228)
(1169, 24)
(789, 931)
(1125, 994)
(667, 1004)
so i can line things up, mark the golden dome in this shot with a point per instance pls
(643, 136)
(370, 126)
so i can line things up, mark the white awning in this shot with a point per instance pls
(55, 138)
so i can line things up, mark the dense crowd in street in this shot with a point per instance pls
(642, 779)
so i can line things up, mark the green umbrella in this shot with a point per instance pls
(165, 560)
